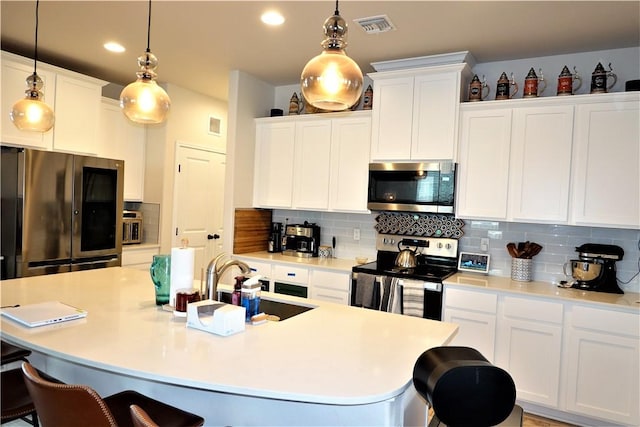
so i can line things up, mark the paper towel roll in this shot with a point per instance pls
(182, 260)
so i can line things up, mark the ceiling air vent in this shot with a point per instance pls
(375, 24)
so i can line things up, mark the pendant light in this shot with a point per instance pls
(332, 81)
(31, 113)
(144, 101)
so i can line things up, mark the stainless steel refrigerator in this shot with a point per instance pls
(60, 212)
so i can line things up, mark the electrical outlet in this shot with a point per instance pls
(356, 234)
(484, 244)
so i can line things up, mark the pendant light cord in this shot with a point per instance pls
(149, 29)
(35, 53)
(337, 11)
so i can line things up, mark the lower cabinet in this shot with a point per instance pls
(603, 377)
(330, 286)
(529, 347)
(579, 359)
(139, 258)
(475, 313)
(307, 281)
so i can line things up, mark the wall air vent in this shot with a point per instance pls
(375, 24)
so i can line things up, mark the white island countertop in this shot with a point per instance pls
(333, 354)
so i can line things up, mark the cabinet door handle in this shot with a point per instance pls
(213, 236)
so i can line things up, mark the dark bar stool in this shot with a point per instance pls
(75, 405)
(14, 399)
(465, 389)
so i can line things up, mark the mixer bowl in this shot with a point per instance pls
(585, 271)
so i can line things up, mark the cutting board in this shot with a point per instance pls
(251, 230)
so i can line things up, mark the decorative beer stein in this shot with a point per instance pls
(566, 81)
(476, 89)
(534, 86)
(503, 88)
(294, 104)
(368, 99)
(599, 79)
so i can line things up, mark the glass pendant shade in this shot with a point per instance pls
(144, 101)
(31, 113)
(332, 81)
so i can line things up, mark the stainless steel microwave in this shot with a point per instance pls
(412, 187)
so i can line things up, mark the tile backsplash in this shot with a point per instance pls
(558, 241)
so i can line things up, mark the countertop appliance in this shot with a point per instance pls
(132, 222)
(302, 240)
(436, 259)
(60, 212)
(413, 187)
(275, 238)
(595, 270)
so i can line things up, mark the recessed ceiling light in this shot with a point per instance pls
(272, 18)
(114, 47)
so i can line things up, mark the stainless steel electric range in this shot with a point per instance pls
(375, 284)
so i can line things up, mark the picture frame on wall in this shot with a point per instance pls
(474, 262)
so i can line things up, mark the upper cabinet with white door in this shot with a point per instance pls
(74, 98)
(563, 160)
(313, 162)
(14, 75)
(606, 169)
(415, 112)
(122, 139)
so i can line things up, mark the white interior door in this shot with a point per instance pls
(198, 203)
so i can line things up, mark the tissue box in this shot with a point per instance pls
(216, 317)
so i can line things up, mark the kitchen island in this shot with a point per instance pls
(332, 365)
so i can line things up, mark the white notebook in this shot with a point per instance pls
(43, 313)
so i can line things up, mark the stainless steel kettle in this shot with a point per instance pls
(406, 258)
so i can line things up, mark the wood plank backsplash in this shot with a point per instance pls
(251, 230)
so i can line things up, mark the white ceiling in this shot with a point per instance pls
(198, 42)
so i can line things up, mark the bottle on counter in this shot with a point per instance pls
(236, 296)
(251, 298)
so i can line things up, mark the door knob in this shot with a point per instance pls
(213, 236)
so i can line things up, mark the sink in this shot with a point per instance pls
(283, 310)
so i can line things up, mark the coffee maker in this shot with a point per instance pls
(595, 270)
(302, 240)
(275, 238)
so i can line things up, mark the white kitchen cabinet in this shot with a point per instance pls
(540, 165)
(318, 162)
(483, 169)
(415, 113)
(74, 98)
(274, 157)
(529, 347)
(77, 111)
(139, 257)
(349, 176)
(475, 314)
(333, 286)
(312, 166)
(122, 139)
(602, 353)
(606, 169)
(14, 75)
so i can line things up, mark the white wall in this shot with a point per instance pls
(625, 64)
(249, 98)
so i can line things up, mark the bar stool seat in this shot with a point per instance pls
(11, 353)
(465, 389)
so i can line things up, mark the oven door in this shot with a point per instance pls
(376, 290)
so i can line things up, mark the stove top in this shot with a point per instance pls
(436, 258)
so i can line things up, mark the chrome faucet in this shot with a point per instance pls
(214, 271)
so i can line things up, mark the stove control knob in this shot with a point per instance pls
(448, 246)
(439, 245)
